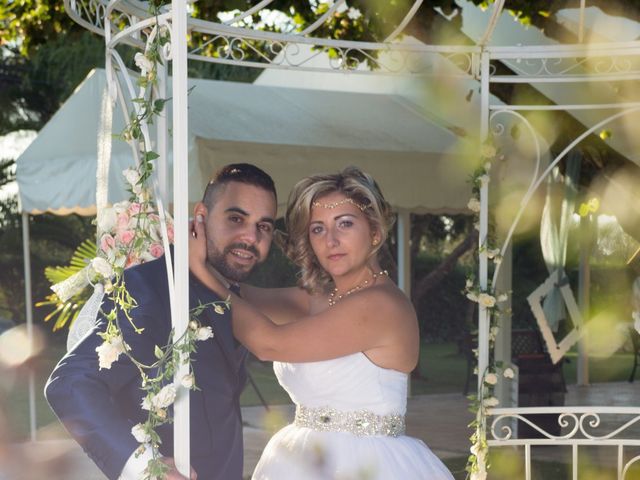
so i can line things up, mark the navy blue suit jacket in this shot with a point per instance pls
(99, 407)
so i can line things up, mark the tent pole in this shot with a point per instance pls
(404, 258)
(29, 315)
(180, 307)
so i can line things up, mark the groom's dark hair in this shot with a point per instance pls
(237, 172)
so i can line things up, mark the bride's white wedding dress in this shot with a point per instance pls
(349, 425)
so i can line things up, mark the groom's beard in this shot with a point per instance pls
(220, 261)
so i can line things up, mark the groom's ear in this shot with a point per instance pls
(200, 209)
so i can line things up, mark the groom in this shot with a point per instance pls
(99, 407)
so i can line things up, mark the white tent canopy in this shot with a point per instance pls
(291, 132)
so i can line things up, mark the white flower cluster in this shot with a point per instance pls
(129, 232)
(158, 402)
(109, 351)
(201, 333)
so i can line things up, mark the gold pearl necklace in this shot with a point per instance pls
(335, 298)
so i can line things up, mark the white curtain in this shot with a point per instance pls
(559, 206)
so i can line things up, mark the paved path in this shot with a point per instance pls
(440, 420)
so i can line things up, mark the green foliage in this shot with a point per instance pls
(65, 312)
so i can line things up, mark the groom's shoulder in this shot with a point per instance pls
(149, 278)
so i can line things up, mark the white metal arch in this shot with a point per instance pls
(125, 21)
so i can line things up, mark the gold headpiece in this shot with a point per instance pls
(360, 206)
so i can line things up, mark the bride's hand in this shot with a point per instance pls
(197, 247)
(198, 257)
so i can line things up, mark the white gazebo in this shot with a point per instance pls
(379, 130)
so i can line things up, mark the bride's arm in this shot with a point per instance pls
(375, 318)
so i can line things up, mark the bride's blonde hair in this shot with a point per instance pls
(354, 184)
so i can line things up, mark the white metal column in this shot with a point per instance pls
(180, 307)
(404, 251)
(503, 340)
(404, 259)
(28, 305)
(483, 271)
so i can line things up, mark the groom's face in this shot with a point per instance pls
(239, 228)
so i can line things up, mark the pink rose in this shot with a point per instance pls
(107, 243)
(156, 250)
(125, 237)
(154, 218)
(134, 208)
(170, 233)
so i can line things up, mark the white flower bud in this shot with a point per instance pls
(204, 333)
(491, 379)
(109, 352)
(486, 300)
(164, 398)
(102, 267)
(508, 373)
(139, 433)
(473, 204)
(491, 402)
(132, 176)
(188, 381)
(142, 62)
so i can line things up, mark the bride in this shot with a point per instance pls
(343, 344)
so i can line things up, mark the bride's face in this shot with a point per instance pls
(340, 235)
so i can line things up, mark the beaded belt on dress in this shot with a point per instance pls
(361, 422)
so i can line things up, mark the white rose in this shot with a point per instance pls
(188, 381)
(204, 333)
(102, 267)
(143, 63)
(120, 207)
(193, 325)
(107, 219)
(131, 175)
(491, 402)
(472, 296)
(164, 398)
(486, 300)
(109, 352)
(508, 373)
(503, 297)
(474, 204)
(491, 379)
(146, 403)
(139, 433)
(469, 283)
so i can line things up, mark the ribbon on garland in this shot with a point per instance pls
(79, 281)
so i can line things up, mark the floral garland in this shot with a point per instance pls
(478, 462)
(130, 233)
